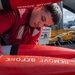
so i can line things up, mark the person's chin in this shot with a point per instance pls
(32, 25)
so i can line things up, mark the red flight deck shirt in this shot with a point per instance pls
(15, 28)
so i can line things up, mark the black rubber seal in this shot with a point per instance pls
(14, 50)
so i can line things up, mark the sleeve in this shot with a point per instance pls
(7, 20)
(34, 39)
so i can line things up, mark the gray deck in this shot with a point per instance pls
(66, 45)
(72, 46)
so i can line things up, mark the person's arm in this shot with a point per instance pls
(7, 20)
(35, 38)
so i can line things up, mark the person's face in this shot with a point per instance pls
(40, 17)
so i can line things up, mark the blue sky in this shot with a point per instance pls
(68, 16)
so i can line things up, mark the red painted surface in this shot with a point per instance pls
(50, 51)
(28, 3)
(36, 65)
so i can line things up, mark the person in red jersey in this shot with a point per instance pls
(23, 26)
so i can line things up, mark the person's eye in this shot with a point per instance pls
(43, 18)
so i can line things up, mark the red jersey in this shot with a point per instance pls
(15, 28)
